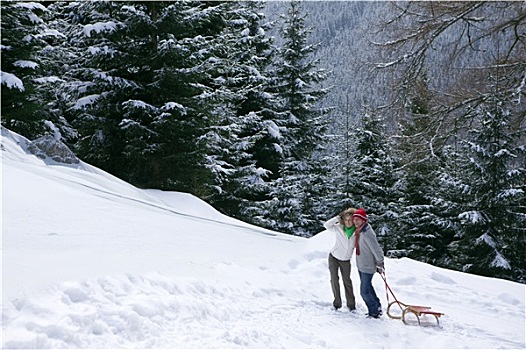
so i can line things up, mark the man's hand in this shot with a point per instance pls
(380, 268)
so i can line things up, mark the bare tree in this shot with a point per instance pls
(459, 73)
(457, 47)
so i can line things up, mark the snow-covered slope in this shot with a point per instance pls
(89, 261)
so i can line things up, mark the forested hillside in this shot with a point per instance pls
(282, 114)
(429, 124)
(345, 31)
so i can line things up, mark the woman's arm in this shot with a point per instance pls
(331, 222)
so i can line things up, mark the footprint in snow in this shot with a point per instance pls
(442, 279)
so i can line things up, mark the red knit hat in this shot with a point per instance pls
(360, 213)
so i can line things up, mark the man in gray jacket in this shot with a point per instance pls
(369, 259)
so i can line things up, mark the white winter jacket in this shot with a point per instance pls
(343, 246)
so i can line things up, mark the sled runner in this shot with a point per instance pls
(409, 314)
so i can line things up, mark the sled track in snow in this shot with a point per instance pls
(164, 208)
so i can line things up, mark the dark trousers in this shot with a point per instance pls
(345, 269)
(368, 294)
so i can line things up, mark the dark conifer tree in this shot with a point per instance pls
(339, 155)
(140, 85)
(419, 223)
(450, 192)
(184, 64)
(300, 184)
(491, 239)
(375, 181)
(23, 37)
(245, 112)
(101, 74)
(418, 234)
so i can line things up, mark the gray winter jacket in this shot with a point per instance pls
(371, 254)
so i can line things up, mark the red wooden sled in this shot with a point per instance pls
(408, 312)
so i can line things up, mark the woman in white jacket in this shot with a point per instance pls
(340, 257)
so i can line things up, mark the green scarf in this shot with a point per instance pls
(349, 230)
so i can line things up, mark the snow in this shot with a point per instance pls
(50, 32)
(50, 79)
(26, 64)
(12, 81)
(85, 101)
(56, 131)
(472, 216)
(500, 261)
(109, 26)
(90, 261)
(512, 192)
(106, 50)
(273, 129)
(31, 6)
(486, 238)
(174, 106)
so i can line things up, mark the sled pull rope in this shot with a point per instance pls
(388, 289)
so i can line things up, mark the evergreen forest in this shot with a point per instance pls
(282, 114)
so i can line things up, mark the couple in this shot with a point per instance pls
(353, 231)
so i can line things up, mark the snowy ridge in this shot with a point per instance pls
(17, 147)
(90, 261)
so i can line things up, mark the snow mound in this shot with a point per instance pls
(47, 151)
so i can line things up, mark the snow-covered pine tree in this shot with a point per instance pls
(375, 181)
(422, 222)
(54, 60)
(338, 154)
(445, 203)
(23, 37)
(491, 239)
(419, 144)
(189, 40)
(245, 113)
(99, 74)
(140, 86)
(301, 182)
